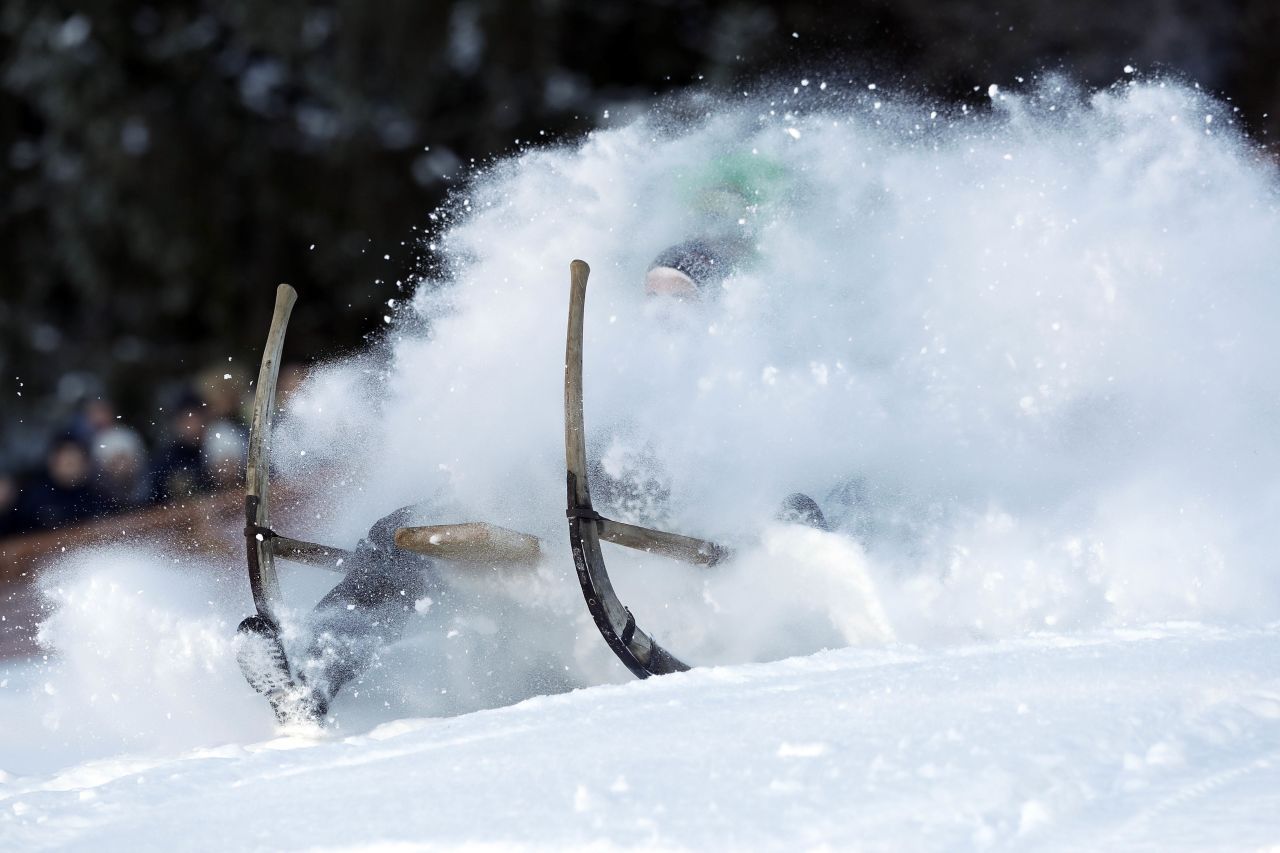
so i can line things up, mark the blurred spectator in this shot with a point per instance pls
(179, 471)
(223, 450)
(90, 418)
(224, 443)
(100, 466)
(120, 458)
(63, 492)
(10, 522)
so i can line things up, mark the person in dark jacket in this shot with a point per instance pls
(180, 471)
(367, 610)
(120, 463)
(728, 196)
(63, 492)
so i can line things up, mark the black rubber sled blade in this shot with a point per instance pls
(634, 647)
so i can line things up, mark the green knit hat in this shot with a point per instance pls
(734, 182)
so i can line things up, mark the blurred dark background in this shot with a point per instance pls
(164, 165)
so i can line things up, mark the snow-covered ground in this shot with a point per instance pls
(1166, 738)
(1023, 359)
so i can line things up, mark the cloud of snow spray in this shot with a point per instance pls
(1023, 360)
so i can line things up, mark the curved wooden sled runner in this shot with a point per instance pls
(587, 528)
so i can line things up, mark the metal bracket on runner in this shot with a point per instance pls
(587, 528)
(583, 512)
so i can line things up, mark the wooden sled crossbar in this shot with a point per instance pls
(699, 552)
(472, 542)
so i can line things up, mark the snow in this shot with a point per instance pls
(1023, 360)
(1165, 738)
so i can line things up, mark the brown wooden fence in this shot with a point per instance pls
(209, 524)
